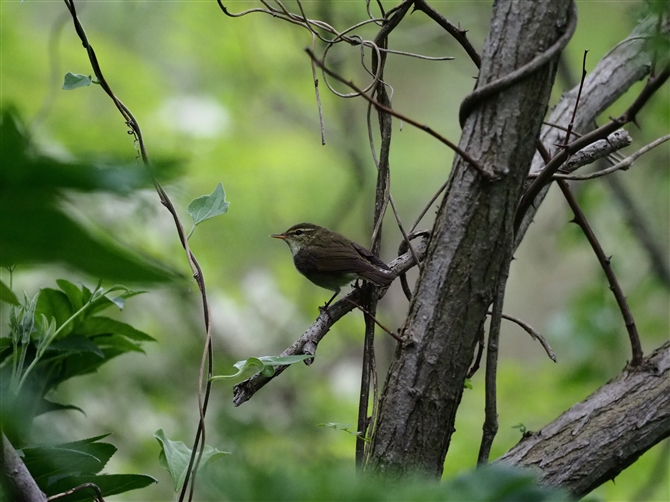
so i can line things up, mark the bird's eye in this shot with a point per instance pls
(298, 232)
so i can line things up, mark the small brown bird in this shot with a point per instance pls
(330, 260)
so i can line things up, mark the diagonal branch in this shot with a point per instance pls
(308, 342)
(653, 84)
(459, 34)
(605, 262)
(627, 63)
(599, 437)
(619, 166)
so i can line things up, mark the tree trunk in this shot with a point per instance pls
(467, 249)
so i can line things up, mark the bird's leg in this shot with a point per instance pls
(325, 307)
(331, 299)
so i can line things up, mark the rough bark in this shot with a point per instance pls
(599, 437)
(474, 225)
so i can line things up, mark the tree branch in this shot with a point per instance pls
(17, 481)
(590, 154)
(616, 72)
(619, 166)
(490, 176)
(310, 339)
(599, 437)
(455, 31)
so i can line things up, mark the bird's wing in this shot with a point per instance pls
(369, 256)
(342, 260)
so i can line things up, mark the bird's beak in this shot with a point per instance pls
(278, 236)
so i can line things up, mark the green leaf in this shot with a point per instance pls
(175, 455)
(55, 304)
(74, 294)
(45, 462)
(106, 326)
(77, 364)
(283, 360)
(74, 80)
(78, 457)
(109, 484)
(46, 406)
(503, 484)
(208, 206)
(7, 295)
(522, 428)
(266, 365)
(117, 343)
(76, 344)
(105, 301)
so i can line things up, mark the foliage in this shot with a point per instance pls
(265, 364)
(55, 336)
(74, 80)
(208, 206)
(31, 191)
(264, 92)
(325, 482)
(175, 455)
(60, 467)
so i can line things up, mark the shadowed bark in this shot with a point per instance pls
(467, 249)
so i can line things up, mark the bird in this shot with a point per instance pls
(330, 260)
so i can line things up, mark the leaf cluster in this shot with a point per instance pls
(61, 467)
(54, 336)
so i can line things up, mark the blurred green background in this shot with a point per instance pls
(232, 100)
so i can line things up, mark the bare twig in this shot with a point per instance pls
(382, 196)
(456, 32)
(318, 96)
(580, 219)
(535, 335)
(85, 486)
(402, 249)
(427, 206)
(367, 369)
(605, 262)
(481, 170)
(481, 338)
(374, 319)
(490, 427)
(579, 95)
